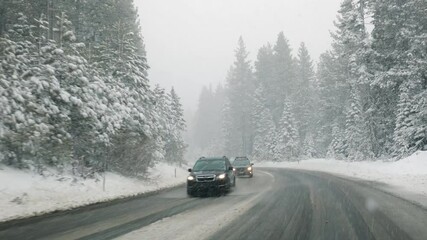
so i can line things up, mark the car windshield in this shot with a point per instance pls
(241, 162)
(209, 165)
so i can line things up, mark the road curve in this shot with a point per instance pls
(313, 205)
(274, 204)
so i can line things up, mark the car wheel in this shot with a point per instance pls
(190, 193)
(251, 175)
(234, 181)
(228, 187)
(222, 192)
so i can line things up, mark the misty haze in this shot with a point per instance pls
(213, 119)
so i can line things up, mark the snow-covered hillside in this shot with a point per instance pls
(25, 193)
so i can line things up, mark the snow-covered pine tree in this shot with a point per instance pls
(399, 37)
(264, 66)
(405, 124)
(333, 92)
(239, 93)
(264, 127)
(175, 145)
(357, 146)
(304, 98)
(17, 125)
(230, 141)
(208, 119)
(351, 44)
(288, 144)
(284, 76)
(337, 147)
(162, 113)
(58, 106)
(219, 97)
(410, 131)
(264, 140)
(265, 74)
(309, 147)
(121, 57)
(204, 128)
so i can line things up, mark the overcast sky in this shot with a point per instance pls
(190, 43)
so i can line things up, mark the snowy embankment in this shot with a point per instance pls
(25, 193)
(407, 176)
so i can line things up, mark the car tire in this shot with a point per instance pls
(222, 192)
(234, 181)
(228, 187)
(190, 194)
(251, 175)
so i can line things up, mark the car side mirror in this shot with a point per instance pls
(230, 168)
(189, 170)
(252, 164)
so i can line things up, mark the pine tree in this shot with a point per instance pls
(400, 62)
(239, 94)
(410, 131)
(263, 127)
(265, 73)
(305, 97)
(209, 118)
(204, 128)
(353, 53)
(287, 146)
(284, 79)
(264, 144)
(230, 146)
(309, 146)
(333, 92)
(74, 88)
(357, 146)
(337, 148)
(175, 145)
(16, 124)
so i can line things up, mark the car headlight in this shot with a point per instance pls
(221, 176)
(190, 178)
(249, 168)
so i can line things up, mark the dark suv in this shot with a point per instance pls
(210, 174)
(242, 166)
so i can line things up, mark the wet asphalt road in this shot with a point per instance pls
(311, 205)
(288, 204)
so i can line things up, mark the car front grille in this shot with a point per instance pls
(206, 178)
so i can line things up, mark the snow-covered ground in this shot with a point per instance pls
(407, 176)
(25, 193)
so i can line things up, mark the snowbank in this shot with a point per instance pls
(25, 193)
(408, 175)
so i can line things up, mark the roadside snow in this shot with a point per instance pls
(25, 193)
(408, 175)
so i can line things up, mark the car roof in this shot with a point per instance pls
(213, 158)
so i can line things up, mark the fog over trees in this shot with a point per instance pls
(74, 90)
(367, 98)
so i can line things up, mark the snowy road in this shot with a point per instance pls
(275, 204)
